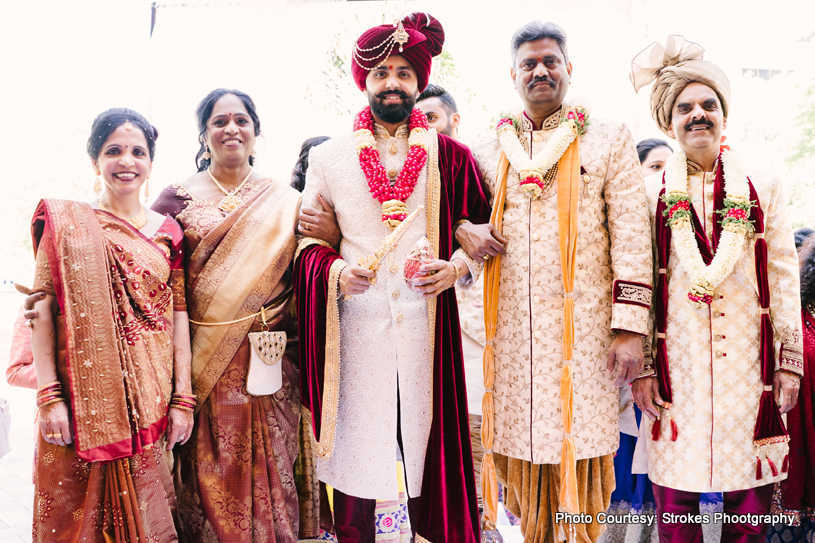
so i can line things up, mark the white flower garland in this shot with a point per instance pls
(705, 279)
(537, 166)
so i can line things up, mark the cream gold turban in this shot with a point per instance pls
(672, 68)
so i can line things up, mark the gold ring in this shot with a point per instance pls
(181, 437)
(29, 324)
(485, 257)
(49, 435)
(304, 225)
(58, 435)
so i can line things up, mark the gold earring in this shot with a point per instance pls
(146, 189)
(206, 155)
(97, 188)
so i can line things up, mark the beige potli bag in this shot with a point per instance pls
(492, 277)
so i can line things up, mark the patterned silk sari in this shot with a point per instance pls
(115, 362)
(234, 478)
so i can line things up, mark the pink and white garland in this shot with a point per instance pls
(735, 224)
(393, 197)
(532, 171)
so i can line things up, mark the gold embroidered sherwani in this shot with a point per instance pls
(713, 354)
(612, 291)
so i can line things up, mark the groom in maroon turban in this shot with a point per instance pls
(418, 38)
(381, 366)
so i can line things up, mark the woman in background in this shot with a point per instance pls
(795, 496)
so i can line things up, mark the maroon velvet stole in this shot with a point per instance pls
(448, 510)
(107, 298)
(769, 426)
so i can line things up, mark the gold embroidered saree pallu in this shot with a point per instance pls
(114, 358)
(236, 268)
(109, 281)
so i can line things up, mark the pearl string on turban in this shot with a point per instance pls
(418, 37)
(672, 68)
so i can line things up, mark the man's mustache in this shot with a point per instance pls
(399, 93)
(700, 122)
(540, 80)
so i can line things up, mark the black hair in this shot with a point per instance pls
(646, 146)
(108, 121)
(805, 243)
(535, 31)
(298, 174)
(204, 111)
(435, 91)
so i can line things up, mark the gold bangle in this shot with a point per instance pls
(456, 267)
(49, 385)
(49, 402)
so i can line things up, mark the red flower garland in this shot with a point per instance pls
(374, 171)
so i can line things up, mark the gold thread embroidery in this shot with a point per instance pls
(324, 448)
(628, 293)
(432, 197)
(302, 243)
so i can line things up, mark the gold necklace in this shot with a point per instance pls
(229, 202)
(136, 222)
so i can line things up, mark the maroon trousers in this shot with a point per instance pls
(354, 520)
(754, 501)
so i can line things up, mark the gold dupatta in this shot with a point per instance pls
(236, 268)
(568, 179)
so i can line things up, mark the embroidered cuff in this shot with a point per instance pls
(791, 352)
(475, 269)
(791, 358)
(649, 368)
(627, 292)
(459, 223)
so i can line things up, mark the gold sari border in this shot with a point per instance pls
(307, 241)
(324, 447)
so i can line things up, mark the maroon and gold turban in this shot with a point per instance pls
(418, 37)
(672, 68)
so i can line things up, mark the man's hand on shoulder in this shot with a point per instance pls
(785, 389)
(320, 223)
(480, 241)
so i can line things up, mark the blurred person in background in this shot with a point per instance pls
(795, 496)
(440, 108)
(653, 152)
(298, 174)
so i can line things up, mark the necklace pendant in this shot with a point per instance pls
(229, 203)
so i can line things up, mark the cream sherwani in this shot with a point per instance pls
(612, 291)
(385, 338)
(713, 354)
